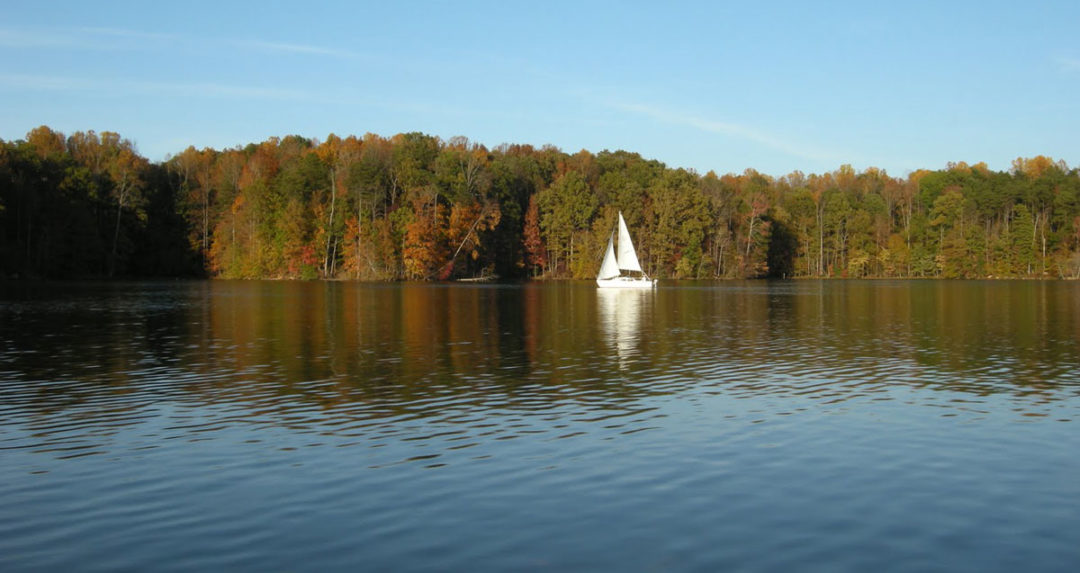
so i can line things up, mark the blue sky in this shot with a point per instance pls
(723, 86)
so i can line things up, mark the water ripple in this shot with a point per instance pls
(756, 426)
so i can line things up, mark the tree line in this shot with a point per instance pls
(415, 207)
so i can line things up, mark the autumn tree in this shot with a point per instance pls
(534, 245)
(414, 206)
(566, 210)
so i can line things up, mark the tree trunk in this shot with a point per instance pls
(821, 242)
(327, 260)
(750, 237)
(206, 226)
(333, 258)
(116, 231)
(720, 260)
(360, 228)
(232, 243)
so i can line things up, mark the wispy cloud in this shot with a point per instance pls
(725, 128)
(123, 86)
(301, 49)
(87, 38)
(216, 90)
(1069, 64)
(128, 34)
(13, 38)
(80, 38)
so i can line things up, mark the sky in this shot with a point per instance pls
(710, 86)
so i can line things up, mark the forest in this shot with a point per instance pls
(416, 207)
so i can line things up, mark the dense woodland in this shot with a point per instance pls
(415, 207)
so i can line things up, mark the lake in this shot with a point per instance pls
(757, 426)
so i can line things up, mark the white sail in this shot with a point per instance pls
(609, 268)
(627, 258)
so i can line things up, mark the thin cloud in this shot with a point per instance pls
(131, 34)
(121, 86)
(302, 49)
(215, 90)
(81, 39)
(1069, 64)
(89, 38)
(724, 128)
(43, 83)
(11, 38)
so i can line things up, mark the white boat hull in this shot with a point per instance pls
(626, 282)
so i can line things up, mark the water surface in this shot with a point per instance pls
(256, 426)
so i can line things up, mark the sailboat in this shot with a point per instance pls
(612, 269)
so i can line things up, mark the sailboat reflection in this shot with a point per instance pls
(620, 313)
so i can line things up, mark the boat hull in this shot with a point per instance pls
(626, 282)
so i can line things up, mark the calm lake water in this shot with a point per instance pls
(758, 426)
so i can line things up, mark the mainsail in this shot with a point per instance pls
(627, 258)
